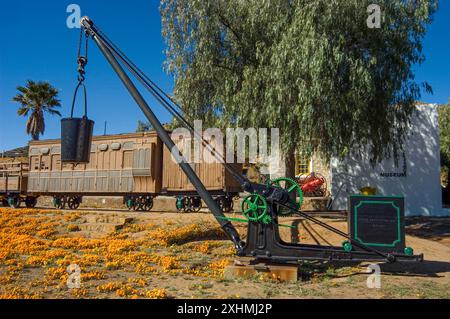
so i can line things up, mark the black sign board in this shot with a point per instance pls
(378, 222)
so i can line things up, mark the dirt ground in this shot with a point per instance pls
(123, 254)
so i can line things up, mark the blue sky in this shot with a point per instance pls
(36, 44)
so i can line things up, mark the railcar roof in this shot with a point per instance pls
(100, 137)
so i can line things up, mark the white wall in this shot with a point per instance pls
(418, 181)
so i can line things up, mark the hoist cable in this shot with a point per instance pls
(150, 86)
(149, 83)
(79, 44)
(334, 230)
(140, 71)
(205, 143)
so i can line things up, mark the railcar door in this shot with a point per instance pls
(142, 170)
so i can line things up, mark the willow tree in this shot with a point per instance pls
(314, 69)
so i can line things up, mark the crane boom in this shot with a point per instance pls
(226, 225)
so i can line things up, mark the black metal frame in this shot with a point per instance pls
(263, 240)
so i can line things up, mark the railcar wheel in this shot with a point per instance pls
(74, 202)
(228, 203)
(59, 202)
(30, 202)
(231, 203)
(5, 203)
(187, 205)
(148, 204)
(139, 204)
(130, 202)
(14, 202)
(179, 204)
(196, 204)
(220, 202)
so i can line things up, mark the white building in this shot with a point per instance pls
(417, 176)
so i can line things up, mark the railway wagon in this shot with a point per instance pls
(135, 166)
(13, 185)
(128, 165)
(217, 180)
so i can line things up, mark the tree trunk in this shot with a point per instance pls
(448, 179)
(35, 137)
(290, 164)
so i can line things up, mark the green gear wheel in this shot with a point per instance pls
(291, 187)
(254, 208)
(267, 219)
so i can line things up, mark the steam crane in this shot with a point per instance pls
(265, 202)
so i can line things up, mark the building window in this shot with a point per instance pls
(302, 164)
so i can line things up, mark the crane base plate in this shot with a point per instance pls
(247, 268)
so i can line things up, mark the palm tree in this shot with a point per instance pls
(37, 98)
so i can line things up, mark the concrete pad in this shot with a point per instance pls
(245, 268)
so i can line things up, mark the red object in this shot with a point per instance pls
(313, 185)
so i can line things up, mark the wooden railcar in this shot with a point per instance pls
(128, 165)
(13, 185)
(136, 166)
(217, 180)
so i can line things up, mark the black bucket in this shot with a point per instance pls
(76, 135)
(76, 139)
